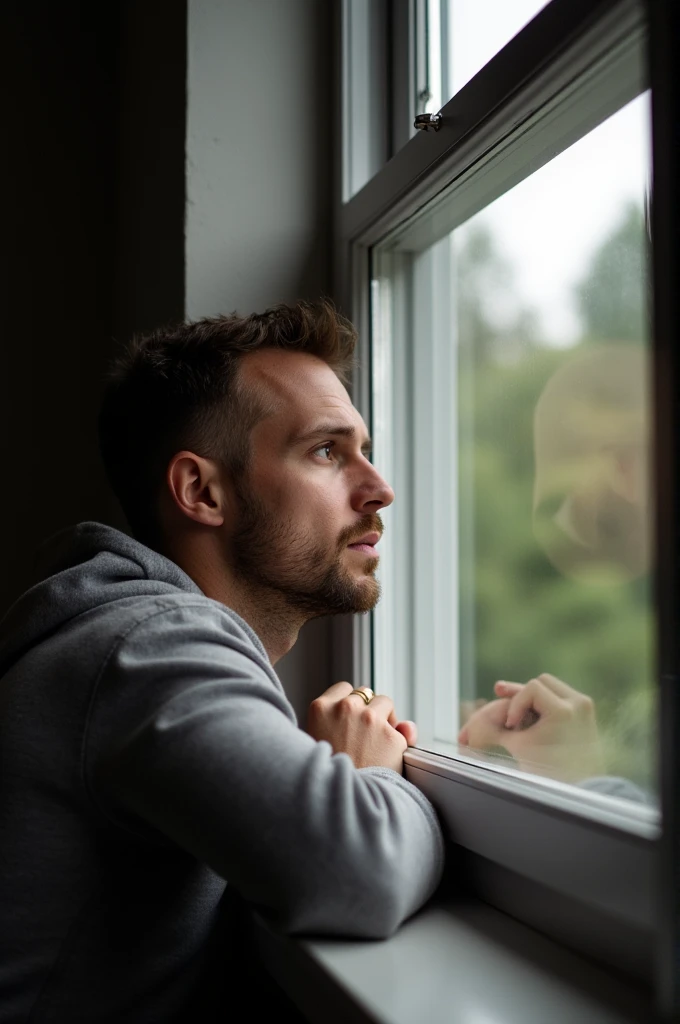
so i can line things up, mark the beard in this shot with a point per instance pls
(274, 555)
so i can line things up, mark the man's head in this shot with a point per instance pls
(236, 438)
(591, 439)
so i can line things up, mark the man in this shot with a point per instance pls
(149, 752)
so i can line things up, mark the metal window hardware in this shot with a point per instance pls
(428, 122)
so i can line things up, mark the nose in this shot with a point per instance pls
(373, 492)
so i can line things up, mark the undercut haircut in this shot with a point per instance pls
(179, 388)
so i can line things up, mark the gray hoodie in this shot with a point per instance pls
(148, 754)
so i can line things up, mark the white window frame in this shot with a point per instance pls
(365, 60)
(385, 53)
(593, 872)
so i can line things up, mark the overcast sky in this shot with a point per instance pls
(549, 225)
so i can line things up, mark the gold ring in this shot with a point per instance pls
(365, 692)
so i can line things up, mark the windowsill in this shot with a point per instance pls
(462, 963)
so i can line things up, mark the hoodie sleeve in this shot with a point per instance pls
(191, 732)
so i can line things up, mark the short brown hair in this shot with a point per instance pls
(178, 388)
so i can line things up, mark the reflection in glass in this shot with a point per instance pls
(554, 546)
(518, 349)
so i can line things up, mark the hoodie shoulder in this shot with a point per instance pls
(77, 545)
(93, 567)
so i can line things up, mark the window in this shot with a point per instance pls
(365, 141)
(500, 272)
(403, 57)
(520, 385)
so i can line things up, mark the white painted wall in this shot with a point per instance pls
(258, 153)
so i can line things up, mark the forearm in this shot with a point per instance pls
(299, 831)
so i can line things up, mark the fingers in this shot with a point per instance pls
(485, 727)
(381, 706)
(556, 685)
(552, 682)
(514, 706)
(505, 689)
(541, 695)
(534, 696)
(409, 731)
(353, 726)
(336, 692)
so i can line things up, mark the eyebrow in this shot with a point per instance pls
(332, 430)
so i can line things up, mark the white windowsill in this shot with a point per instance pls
(450, 964)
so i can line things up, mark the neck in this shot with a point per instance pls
(265, 611)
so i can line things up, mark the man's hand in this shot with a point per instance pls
(371, 733)
(548, 727)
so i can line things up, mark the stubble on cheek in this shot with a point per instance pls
(275, 553)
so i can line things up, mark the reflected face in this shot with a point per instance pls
(307, 511)
(592, 510)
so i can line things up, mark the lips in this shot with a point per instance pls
(366, 545)
(369, 539)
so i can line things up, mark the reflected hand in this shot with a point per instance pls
(547, 726)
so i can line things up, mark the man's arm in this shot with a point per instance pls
(192, 733)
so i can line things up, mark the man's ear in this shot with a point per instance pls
(197, 489)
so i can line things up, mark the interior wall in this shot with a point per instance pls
(259, 198)
(150, 170)
(58, 155)
(258, 153)
(93, 242)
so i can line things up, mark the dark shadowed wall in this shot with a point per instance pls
(59, 153)
(93, 241)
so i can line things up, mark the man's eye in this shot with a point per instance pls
(324, 448)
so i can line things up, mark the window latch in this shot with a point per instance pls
(428, 122)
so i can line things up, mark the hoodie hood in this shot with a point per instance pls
(80, 568)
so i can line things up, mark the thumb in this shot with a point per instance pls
(409, 731)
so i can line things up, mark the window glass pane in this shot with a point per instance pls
(364, 92)
(477, 29)
(458, 38)
(519, 544)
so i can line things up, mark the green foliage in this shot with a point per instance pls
(520, 616)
